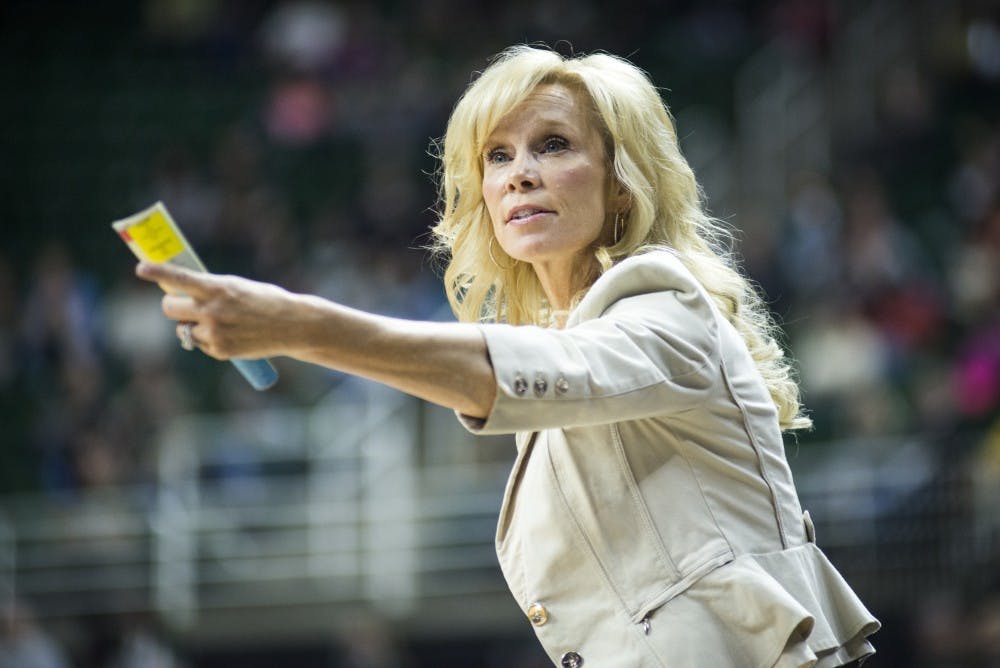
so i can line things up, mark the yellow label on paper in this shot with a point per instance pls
(156, 237)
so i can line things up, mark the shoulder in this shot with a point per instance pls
(651, 272)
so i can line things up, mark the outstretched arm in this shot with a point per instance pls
(445, 363)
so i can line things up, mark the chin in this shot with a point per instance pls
(536, 250)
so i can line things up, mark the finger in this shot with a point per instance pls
(180, 307)
(174, 279)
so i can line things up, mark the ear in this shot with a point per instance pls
(620, 199)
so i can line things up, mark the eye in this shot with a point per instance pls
(496, 156)
(554, 144)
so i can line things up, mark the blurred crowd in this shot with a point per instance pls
(883, 269)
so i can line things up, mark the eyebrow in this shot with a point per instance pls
(543, 126)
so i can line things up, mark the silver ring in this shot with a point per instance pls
(187, 338)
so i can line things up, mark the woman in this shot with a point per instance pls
(650, 518)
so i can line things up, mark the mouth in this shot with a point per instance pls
(524, 214)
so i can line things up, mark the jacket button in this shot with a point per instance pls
(538, 614)
(810, 529)
(572, 660)
(520, 385)
(562, 385)
(540, 386)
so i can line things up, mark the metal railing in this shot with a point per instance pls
(297, 515)
(904, 517)
(283, 508)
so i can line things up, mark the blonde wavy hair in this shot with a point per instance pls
(664, 204)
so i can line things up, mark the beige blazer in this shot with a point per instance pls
(651, 518)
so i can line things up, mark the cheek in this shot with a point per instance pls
(574, 177)
(581, 177)
(491, 196)
(586, 186)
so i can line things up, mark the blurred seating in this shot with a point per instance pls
(854, 148)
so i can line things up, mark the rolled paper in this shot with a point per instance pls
(154, 237)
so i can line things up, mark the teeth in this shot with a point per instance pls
(526, 213)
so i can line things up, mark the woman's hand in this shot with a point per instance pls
(446, 363)
(228, 316)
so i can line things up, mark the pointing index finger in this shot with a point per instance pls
(173, 279)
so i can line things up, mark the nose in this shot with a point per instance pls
(523, 174)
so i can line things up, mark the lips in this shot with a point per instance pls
(524, 213)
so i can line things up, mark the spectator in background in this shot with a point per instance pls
(24, 644)
(977, 293)
(810, 255)
(62, 361)
(140, 646)
(369, 642)
(9, 312)
(59, 330)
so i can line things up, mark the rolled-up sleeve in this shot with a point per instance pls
(648, 354)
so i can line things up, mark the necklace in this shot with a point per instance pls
(558, 317)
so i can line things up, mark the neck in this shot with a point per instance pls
(564, 280)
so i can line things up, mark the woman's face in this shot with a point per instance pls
(545, 180)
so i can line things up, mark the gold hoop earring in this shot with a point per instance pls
(498, 265)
